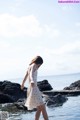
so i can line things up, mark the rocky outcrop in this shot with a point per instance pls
(11, 92)
(56, 100)
(4, 98)
(50, 101)
(44, 85)
(74, 86)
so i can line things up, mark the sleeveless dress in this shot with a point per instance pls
(34, 97)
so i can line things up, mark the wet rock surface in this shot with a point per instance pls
(50, 101)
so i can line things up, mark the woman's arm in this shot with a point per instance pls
(22, 86)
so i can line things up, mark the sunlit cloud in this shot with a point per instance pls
(51, 31)
(25, 26)
(69, 48)
(77, 24)
(12, 26)
(35, 28)
(67, 8)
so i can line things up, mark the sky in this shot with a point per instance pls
(39, 27)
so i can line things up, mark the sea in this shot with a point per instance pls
(70, 110)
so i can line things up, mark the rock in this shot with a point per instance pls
(10, 107)
(55, 100)
(74, 86)
(13, 90)
(4, 98)
(20, 104)
(67, 88)
(14, 107)
(44, 85)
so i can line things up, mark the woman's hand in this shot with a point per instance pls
(22, 86)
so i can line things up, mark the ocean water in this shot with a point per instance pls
(70, 110)
(58, 82)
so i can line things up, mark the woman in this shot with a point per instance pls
(34, 98)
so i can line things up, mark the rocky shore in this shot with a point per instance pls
(12, 94)
(72, 90)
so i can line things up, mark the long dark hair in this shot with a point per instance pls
(37, 60)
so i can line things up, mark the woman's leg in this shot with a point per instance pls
(44, 112)
(37, 115)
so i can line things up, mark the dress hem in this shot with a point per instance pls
(31, 108)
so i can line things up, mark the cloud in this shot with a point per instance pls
(3, 45)
(19, 2)
(67, 8)
(63, 60)
(77, 24)
(69, 48)
(12, 26)
(13, 61)
(51, 31)
(25, 26)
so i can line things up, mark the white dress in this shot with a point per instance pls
(34, 97)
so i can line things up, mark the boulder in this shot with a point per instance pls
(13, 90)
(9, 107)
(44, 85)
(73, 86)
(55, 100)
(4, 98)
(20, 104)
